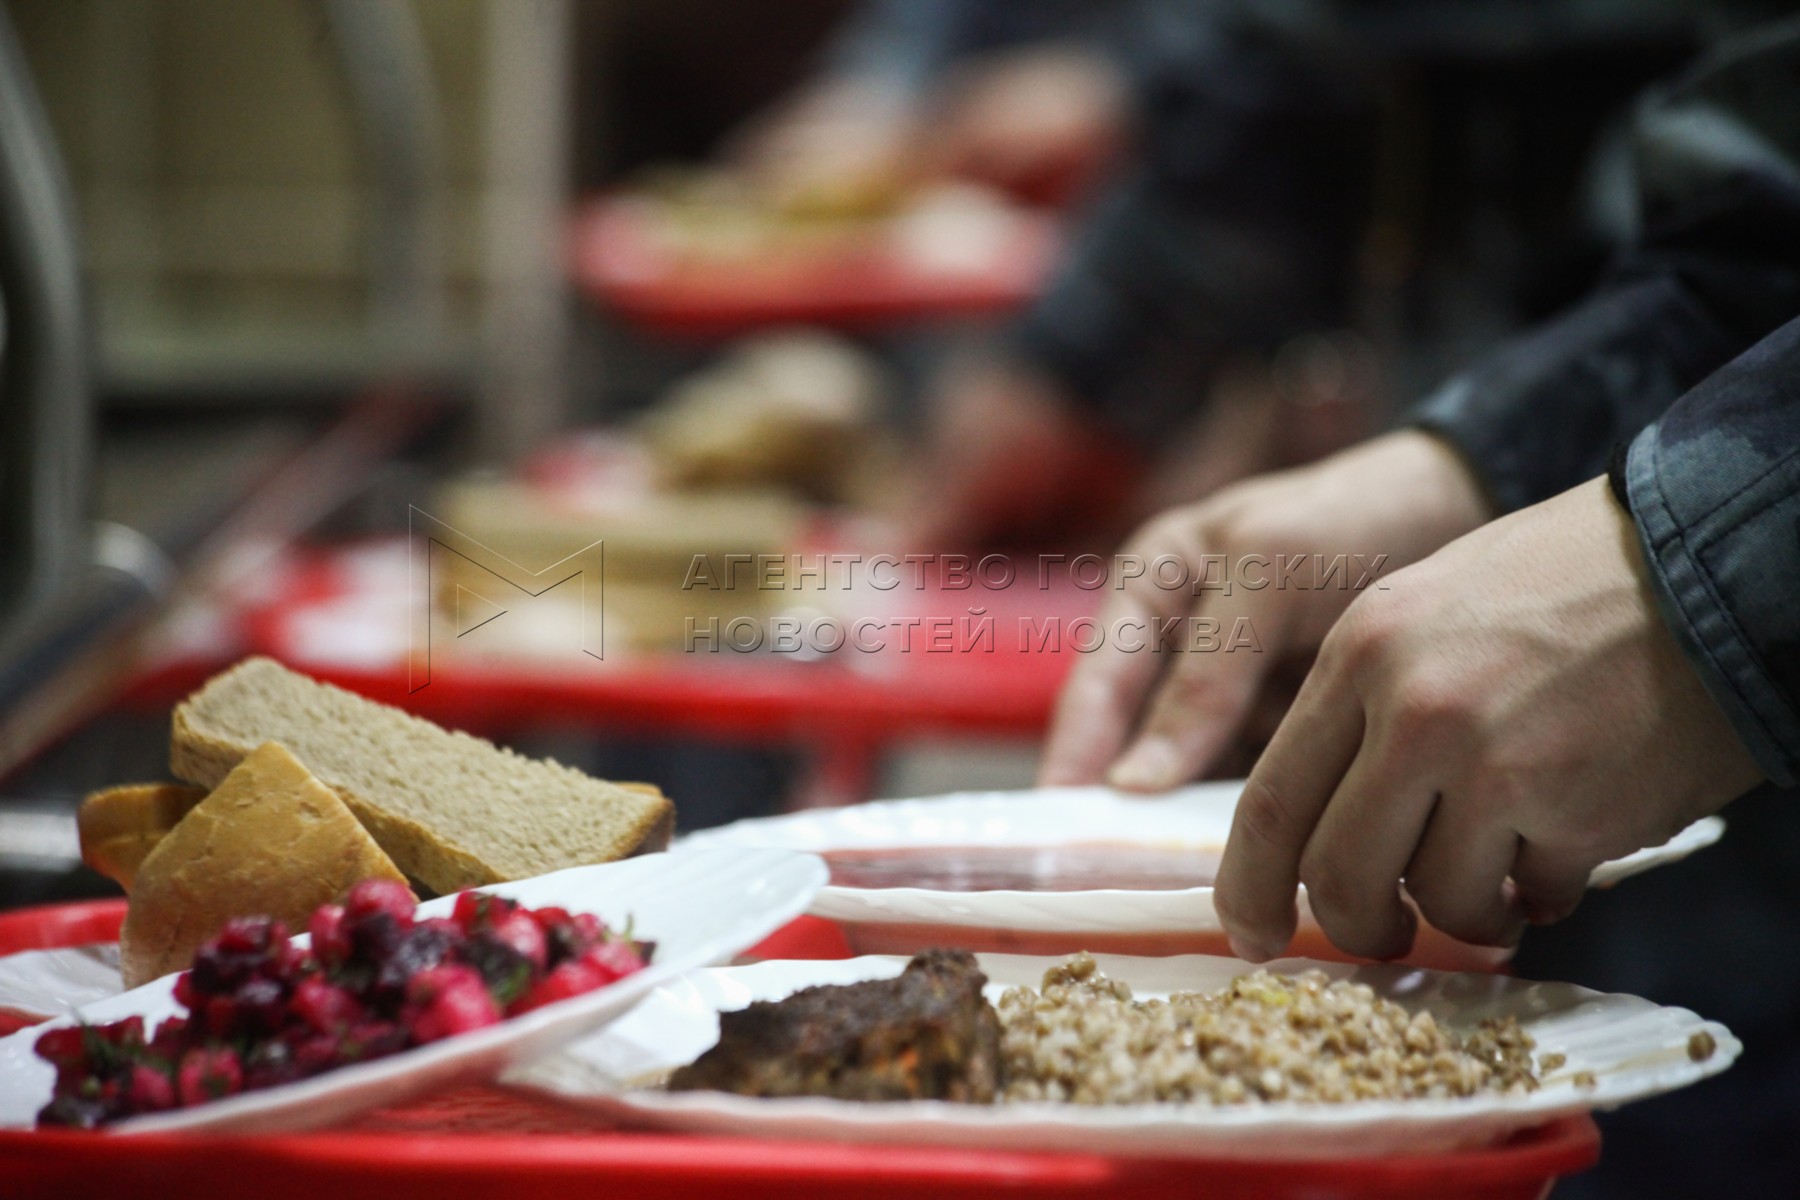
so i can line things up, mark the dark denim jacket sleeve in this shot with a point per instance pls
(1715, 268)
(908, 44)
(1715, 490)
(1232, 227)
(1692, 354)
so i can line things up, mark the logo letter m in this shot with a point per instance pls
(456, 585)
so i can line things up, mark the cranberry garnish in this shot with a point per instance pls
(613, 960)
(65, 1046)
(447, 1000)
(149, 1089)
(379, 896)
(325, 1007)
(208, 1074)
(572, 978)
(330, 939)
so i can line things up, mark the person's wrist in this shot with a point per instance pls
(1694, 713)
(1411, 492)
(1444, 477)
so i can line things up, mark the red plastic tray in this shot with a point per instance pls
(485, 1142)
(1004, 691)
(615, 261)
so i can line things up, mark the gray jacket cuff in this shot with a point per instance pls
(1691, 575)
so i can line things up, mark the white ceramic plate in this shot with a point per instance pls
(1196, 817)
(36, 985)
(700, 904)
(1633, 1048)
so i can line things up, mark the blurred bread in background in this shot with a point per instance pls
(798, 410)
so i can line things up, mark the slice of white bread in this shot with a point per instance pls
(119, 826)
(269, 840)
(453, 811)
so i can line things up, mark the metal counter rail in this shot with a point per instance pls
(46, 401)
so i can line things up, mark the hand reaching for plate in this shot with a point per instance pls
(1011, 458)
(836, 147)
(1488, 727)
(1149, 720)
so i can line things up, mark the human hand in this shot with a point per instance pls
(837, 147)
(1499, 720)
(1038, 121)
(1009, 457)
(1394, 499)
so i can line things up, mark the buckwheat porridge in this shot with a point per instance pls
(1083, 1038)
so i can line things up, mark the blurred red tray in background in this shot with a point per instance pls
(491, 1143)
(343, 617)
(859, 281)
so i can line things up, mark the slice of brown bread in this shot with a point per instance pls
(453, 811)
(119, 826)
(270, 840)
